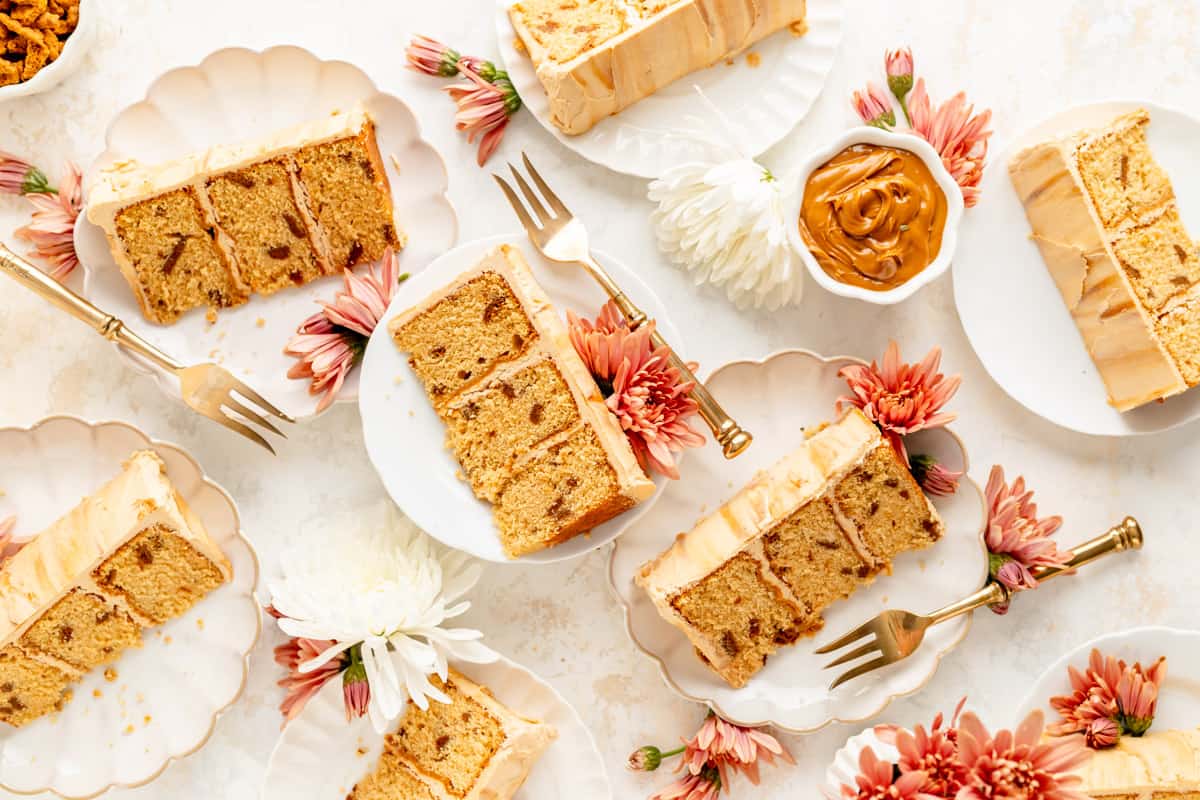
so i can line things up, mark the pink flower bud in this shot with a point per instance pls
(874, 107)
(1102, 733)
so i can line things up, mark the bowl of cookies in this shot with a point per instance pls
(41, 42)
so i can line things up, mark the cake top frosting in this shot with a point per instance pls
(64, 554)
(1167, 761)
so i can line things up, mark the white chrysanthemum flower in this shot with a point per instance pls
(379, 581)
(725, 223)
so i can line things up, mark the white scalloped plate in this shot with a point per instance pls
(320, 756)
(776, 398)
(406, 440)
(236, 95)
(167, 695)
(761, 103)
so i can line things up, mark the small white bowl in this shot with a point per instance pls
(67, 62)
(901, 141)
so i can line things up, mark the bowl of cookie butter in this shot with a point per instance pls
(874, 215)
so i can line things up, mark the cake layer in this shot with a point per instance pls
(594, 64)
(472, 748)
(1159, 258)
(756, 574)
(524, 417)
(490, 429)
(1179, 329)
(127, 557)
(1119, 172)
(1158, 766)
(1117, 329)
(211, 228)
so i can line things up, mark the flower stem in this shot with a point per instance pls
(675, 752)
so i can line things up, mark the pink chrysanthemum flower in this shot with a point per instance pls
(331, 342)
(432, 57)
(1017, 764)
(1109, 690)
(18, 176)
(874, 107)
(731, 749)
(935, 754)
(1102, 733)
(641, 387)
(302, 686)
(959, 135)
(52, 229)
(901, 398)
(935, 478)
(1017, 541)
(898, 64)
(705, 786)
(1137, 696)
(356, 690)
(484, 105)
(877, 780)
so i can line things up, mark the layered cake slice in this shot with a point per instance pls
(523, 415)
(472, 748)
(129, 557)
(756, 574)
(213, 228)
(1157, 766)
(1105, 219)
(597, 57)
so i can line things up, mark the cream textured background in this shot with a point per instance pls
(1024, 59)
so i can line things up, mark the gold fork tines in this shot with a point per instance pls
(206, 388)
(560, 236)
(895, 635)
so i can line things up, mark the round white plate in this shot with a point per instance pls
(406, 440)
(235, 95)
(1012, 311)
(1179, 697)
(761, 103)
(320, 756)
(168, 694)
(776, 399)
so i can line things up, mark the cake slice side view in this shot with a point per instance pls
(597, 57)
(472, 748)
(129, 557)
(756, 574)
(1104, 217)
(524, 417)
(213, 228)
(1158, 766)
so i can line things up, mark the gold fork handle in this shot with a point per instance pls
(1127, 535)
(58, 295)
(729, 434)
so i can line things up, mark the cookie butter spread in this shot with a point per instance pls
(873, 216)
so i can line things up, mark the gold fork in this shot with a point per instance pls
(206, 388)
(561, 237)
(897, 634)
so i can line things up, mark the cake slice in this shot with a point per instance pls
(523, 416)
(472, 748)
(756, 574)
(127, 558)
(213, 228)
(597, 57)
(1158, 766)
(1104, 217)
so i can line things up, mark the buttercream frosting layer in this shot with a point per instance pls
(685, 36)
(63, 556)
(1117, 331)
(1155, 765)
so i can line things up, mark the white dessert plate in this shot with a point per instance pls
(406, 440)
(1013, 313)
(777, 398)
(762, 98)
(321, 756)
(164, 698)
(1179, 696)
(235, 95)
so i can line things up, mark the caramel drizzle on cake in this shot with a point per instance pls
(523, 415)
(130, 557)
(471, 748)
(755, 575)
(597, 57)
(1104, 217)
(212, 229)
